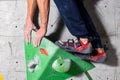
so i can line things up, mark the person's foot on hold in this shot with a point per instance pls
(79, 46)
(98, 55)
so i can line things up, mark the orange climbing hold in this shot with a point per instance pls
(43, 51)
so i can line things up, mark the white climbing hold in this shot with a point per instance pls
(32, 65)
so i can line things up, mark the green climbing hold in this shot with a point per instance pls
(61, 65)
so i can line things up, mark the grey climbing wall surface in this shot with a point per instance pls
(105, 14)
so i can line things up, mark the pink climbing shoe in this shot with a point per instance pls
(75, 46)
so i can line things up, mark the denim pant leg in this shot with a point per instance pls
(77, 20)
(96, 41)
(72, 18)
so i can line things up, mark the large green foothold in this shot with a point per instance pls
(43, 68)
(61, 65)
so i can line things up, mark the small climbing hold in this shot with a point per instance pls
(32, 65)
(61, 65)
(43, 51)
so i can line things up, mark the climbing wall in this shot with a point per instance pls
(106, 17)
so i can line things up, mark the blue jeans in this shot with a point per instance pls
(78, 20)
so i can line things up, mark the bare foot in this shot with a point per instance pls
(84, 40)
(29, 26)
(100, 50)
(38, 36)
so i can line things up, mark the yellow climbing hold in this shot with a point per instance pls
(1, 77)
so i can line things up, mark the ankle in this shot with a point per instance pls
(84, 40)
(100, 50)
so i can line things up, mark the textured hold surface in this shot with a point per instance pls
(105, 14)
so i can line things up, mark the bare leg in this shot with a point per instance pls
(44, 13)
(29, 24)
